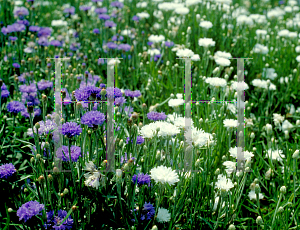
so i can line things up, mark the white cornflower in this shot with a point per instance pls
(141, 4)
(163, 174)
(276, 154)
(180, 122)
(221, 54)
(263, 84)
(185, 53)
(200, 138)
(297, 49)
(247, 155)
(195, 57)
(182, 10)
(216, 81)
(298, 58)
(261, 33)
(224, 183)
(252, 195)
(239, 86)
(59, 23)
(206, 42)
(113, 61)
(153, 52)
(230, 123)
(163, 215)
(277, 118)
(258, 48)
(143, 15)
(156, 38)
(283, 33)
(175, 102)
(206, 24)
(165, 129)
(222, 61)
(269, 73)
(230, 166)
(243, 19)
(286, 125)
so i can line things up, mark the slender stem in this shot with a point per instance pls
(280, 197)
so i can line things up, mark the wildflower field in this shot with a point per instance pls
(151, 114)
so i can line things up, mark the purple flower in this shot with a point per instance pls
(127, 109)
(110, 24)
(30, 209)
(130, 93)
(102, 85)
(149, 43)
(36, 112)
(119, 101)
(12, 38)
(53, 222)
(43, 41)
(141, 179)
(117, 4)
(34, 28)
(43, 148)
(104, 16)
(55, 43)
(45, 128)
(16, 27)
(74, 46)
(169, 44)
(135, 18)
(24, 22)
(71, 129)
(93, 119)
(4, 93)
(44, 32)
(21, 12)
(101, 10)
(70, 10)
(101, 61)
(85, 8)
(111, 45)
(15, 107)
(147, 212)
(125, 47)
(81, 95)
(139, 140)
(96, 31)
(116, 92)
(7, 170)
(44, 84)
(97, 0)
(28, 88)
(155, 116)
(16, 65)
(63, 153)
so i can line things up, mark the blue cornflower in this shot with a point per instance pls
(7, 170)
(63, 153)
(139, 140)
(15, 107)
(71, 129)
(141, 179)
(132, 94)
(53, 222)
(30, 209)
(93, 119)
(155, 116)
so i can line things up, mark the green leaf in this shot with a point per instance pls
(24, 177)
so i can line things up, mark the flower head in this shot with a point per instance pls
(53, 222)
(163, 215)
(163, 174)
(71, 129)
(141, 179)
(93, 119)
(30, 209)
(15, 107)
(7, 170)
(63, 153)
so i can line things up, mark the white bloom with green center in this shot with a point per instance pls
(239, 86)
(185, 53)
(247, 155)
(143, 15)
(275, 154)
(252, 195)
(175, 102)
(156, 38)
(182, 10)
(206, 42)
(164, 129)
(260, 49)
(163, 174)
(230, 123)
(216, 81)
(224, 183)
(222, 61)
(222, 54)
(163, 215)
(206, 24)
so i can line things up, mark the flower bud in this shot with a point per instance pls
(50, 177)
(280, 209)
(66, 191)
(38, 156)
(296, 154)
(269, 129)
(41, 178)
(31, 159)
(231, 227)
(74, 208)
(257, 189)
(154, 227)
(259, 220)
(25, 189)
(283, 189)
(9, 209)
(55, 170)
(37, 125)
(252, 135)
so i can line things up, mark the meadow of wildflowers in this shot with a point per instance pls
(110, 153)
